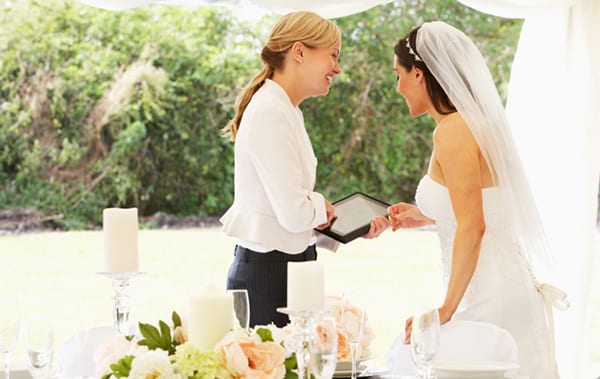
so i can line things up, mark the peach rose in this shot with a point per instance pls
(245, 358)
(343, 353)
(348, 324)
(180, 335)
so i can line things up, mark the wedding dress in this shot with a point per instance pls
(503, 290)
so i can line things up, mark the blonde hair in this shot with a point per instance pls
(306, 27)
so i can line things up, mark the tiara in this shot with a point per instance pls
(411, 51)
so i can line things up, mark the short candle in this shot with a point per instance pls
(305, 286)
(210, 317)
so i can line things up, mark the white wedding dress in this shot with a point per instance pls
(503, 290)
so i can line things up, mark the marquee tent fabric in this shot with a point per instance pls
(328, 8)
(554, 109)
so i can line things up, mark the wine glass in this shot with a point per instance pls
(241, 307)
(323, 348)
(354, 320)
(9, 329)
(39, 341)
(425, 340)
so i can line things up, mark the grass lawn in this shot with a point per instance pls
(55, 274)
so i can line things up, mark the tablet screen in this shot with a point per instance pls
(355, 212)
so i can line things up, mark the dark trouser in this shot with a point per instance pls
(264, 276)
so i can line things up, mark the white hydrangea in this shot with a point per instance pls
(154, 364)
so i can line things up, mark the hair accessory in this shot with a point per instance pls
(411, 51)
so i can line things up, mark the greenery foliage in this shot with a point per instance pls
(101, 108)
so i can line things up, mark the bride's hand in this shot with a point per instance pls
(378, 225)
(445, 316)
(404, 215)
(407, 330)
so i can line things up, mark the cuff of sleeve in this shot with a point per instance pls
(320, 211)
(326, 242)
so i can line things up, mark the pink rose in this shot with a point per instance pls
(113, 349)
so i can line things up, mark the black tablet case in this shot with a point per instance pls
(354, 213)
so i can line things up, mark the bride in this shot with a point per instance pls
(476, 192)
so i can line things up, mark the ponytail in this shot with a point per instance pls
(231, 129)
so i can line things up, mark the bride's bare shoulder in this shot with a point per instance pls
(452, 129)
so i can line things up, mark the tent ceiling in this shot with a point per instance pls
(330, 9)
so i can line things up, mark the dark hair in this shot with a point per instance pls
(408, 59)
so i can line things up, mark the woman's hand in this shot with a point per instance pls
(330, 209)
(404, 215)
(378, 225)
(445, 316)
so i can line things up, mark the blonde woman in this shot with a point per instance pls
(275, 207)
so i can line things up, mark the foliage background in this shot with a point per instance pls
(101, 108)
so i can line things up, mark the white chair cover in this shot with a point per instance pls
(76, 358)
(460, 341)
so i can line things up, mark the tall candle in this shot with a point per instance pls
(210, 317)
(305, 286)
(120, 239)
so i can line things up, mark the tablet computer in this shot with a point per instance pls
(354, 214)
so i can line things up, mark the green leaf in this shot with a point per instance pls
(166, 339)
(153, 338)
(291, 375)
(265, 334)
(176, 319)
(291, 363)
(122, 368)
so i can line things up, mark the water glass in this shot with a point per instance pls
(9, 329)
(39, 343)
(241, 307)
(425, 340)
(323, 348)
(354, 320)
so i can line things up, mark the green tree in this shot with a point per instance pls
(102, 108)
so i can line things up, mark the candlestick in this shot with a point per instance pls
(120, 283)
(210, 316)
(120, 239)
(305, 286)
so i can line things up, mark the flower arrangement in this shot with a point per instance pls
(263, 352)
(259, 353)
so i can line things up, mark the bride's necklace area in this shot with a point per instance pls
(444, 117)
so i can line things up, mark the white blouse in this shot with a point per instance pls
(274, 207)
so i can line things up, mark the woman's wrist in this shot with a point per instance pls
(445, 314)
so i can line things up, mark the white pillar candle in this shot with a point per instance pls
(210, 317)
(120, 239)
(305, 286)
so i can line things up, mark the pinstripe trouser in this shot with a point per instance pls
(264, 276)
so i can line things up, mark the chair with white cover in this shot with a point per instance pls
(76, 357)
(460, 341)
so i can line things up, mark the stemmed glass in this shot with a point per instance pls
(241, 307)
(354, 320)
(9, 329)
(323, 348)
(425, 340)
(40, 345)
